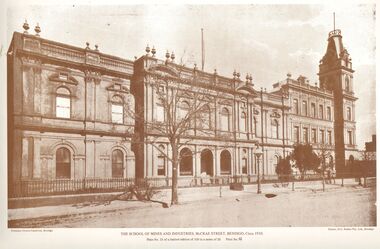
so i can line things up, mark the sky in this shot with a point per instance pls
(267, 41)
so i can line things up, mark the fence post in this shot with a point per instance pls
(293, 185)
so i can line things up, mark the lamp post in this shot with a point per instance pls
(257, 156)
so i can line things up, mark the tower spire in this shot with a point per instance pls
(334, 20)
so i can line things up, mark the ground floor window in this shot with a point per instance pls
(63, 163)
(225, 162)
(117, 163)
(186, 163)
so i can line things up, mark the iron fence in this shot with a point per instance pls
(30, 188)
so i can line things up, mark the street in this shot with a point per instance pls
(342, 206)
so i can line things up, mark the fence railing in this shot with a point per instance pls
(30, 188)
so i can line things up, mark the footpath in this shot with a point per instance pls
(186, 195)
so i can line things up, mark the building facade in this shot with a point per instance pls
(77, 113)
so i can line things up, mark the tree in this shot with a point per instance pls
(326, 163)
(283, 169)
(186, 105)
(305, 158)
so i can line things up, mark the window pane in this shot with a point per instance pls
(117, 114)
(63, 102)
(117, 109)
(63, 107)
(160, 114)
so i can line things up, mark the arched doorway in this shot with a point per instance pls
(225, 162)
(207, 162)
(117, 163)
(186, 163)
(63, 163)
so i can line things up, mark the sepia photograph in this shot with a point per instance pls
(187, 116)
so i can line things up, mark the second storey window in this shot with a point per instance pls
(329, 113)
(304, 108)
(225, 120)
(305, 135)
(313, 112)
(313, 135)
(322, 136)
(321, 111)
(243, 122)
(329, 138)
(63, 103)
(295, 106)
(296, 134)
(274, 124)
(117, 110)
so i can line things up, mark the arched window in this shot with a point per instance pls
(244, 163)
(117, 163)
(117, 110)
(225, 119)
(205, 120)
(161, 161)
(225, 162)
(274, 124)
(243, 122)
(63, 103)
(62, 163)
(255, 126)
(186, 162)
(349, 116)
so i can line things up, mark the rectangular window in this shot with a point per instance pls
(62, 107)
(322, 136)
(161, 166)
(321, 111)
(160, 113)
(329, 138)
(349, 134)
(295, 106)
(314, 135)
(304, 108)
(313, 111)
(117, 114)
(244, 166)
(348, 113)
(296, 134)
(305, 135)
(329, 113)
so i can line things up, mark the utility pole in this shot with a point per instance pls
(203, 50)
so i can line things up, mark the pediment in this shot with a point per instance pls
(247, 89)
(63, 76)
(164, 70)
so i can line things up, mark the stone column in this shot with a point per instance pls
(36, 158)
(217, 162)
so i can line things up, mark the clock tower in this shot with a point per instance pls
(336, 75)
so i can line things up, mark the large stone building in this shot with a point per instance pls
(76, 113)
